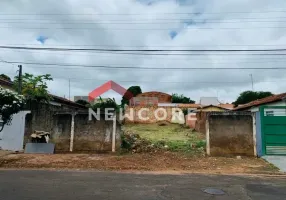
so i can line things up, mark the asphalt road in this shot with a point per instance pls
(71, 185)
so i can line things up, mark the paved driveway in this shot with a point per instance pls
(278, 161)
(59, 185)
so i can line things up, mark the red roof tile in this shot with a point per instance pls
(265, 100)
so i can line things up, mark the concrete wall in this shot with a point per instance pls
(12, 136)
(230, 134)
(91, 135)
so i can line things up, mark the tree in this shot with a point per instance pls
(34, 88)
(181, 99)
(5, 77)
(83, 102)
(135, 90)
(10, 104)
(248, 96)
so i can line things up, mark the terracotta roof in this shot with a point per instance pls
(190, 105)
(227, 106)
(265, 100)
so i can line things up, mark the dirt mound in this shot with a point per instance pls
(134, 143)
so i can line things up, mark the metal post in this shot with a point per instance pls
(114, 134)
(69, 89)
(252, 82)
(72, 132)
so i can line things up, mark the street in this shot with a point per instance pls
(71, 185)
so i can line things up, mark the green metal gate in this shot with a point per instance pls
(273, 130)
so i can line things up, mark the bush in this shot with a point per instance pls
(10, 104)
(109, 103)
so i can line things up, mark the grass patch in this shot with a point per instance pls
(173, 137)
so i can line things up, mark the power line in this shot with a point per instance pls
(141, 50)
(137, 23)
(144, 20)
(156, 54)
(69, 66)
(167, 13)
(154, 29)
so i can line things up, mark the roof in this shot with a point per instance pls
(270, 99)
(189, 105)
(6, 82)
(214, 106)
(66, 101)
(227, 106)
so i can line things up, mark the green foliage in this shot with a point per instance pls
(5, 77)
(83, 102)
(248, 96)
(109, 103)
(181, 99)
(10, 103)
(135, 90)
(34, 88)
(185, 111)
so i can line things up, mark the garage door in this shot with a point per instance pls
(273, 130)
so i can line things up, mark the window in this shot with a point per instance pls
(269, 113)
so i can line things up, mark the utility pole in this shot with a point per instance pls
(20, 79)
(69, 89)
(252, 81)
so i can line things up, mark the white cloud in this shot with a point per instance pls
(110, 17)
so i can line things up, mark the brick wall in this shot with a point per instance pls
(162, 97)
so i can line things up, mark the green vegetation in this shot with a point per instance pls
(109, 103)
(248, 96)
(135, 90)
(10, 104)
(34, 88)
(83, 102)
(181, 99)
(172, 137)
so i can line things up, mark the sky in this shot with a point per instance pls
(148, 24)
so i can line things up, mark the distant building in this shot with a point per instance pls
(205, 101)
(6, 84)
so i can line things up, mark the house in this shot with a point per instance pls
(270, 124)
(212, 108)
(253, 106)
(6, 84)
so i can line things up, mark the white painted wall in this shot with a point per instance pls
(12, 136)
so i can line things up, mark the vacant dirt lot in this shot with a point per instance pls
(163, 162)
(174, 137)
